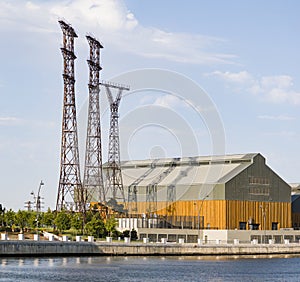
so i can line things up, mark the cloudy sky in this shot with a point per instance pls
(242, 55)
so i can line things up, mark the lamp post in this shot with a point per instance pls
(263, 210)
(199, 212)
(37, 199)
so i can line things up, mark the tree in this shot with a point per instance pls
(77, 221)
(9, 218)
(2, 212)
(32, 219)
(63, 221)
(89, 215)
(133, 234)
(126, 233)
(95, 227)
(48, 218)
(21, 219)
(115, 206)
(110, 225)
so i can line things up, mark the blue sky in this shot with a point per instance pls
(243, 54)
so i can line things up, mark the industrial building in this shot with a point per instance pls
(213, 192)
(295, 205)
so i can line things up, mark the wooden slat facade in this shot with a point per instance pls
(226, 214)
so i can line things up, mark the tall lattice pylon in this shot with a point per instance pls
(114, 183)
(93, 177)
(70, 196)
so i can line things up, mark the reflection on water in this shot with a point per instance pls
(189, 268)
(21, 262)
(64, 262)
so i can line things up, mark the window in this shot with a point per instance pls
(243, 225)
(259, 190)
(259, 180)
(274, 225)
(240, 161)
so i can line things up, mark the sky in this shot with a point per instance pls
(206, 77)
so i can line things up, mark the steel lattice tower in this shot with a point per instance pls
(70, 196)
(93, 178)
(114, 187)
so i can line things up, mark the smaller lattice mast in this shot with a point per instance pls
(114, 183)
(93, 177)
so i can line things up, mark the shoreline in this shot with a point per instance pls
(56, 248)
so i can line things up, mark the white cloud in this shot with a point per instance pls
(15, 121)
(283, 133)
(168, 101)
(274, 89)
(282, 81)
(110, 15)
(116, 25)
(31, 6)
(9, 121)
(277, 118)
(239, 77)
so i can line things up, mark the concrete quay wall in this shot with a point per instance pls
(38, 248)
(194, 249)
(44, 248)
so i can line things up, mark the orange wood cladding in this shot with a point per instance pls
(226, 214)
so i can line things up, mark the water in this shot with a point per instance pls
(150, 269)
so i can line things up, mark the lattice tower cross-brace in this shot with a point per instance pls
(151, 189)
(133, 188)
(93, 176)
(114, 185)
(70, 193)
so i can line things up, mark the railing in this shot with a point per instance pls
(167, 222)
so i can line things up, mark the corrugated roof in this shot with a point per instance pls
(295, 188)
(188, 160)
(186, 171)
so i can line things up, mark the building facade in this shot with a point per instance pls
(213, 192)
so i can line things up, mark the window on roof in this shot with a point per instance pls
(220, 162)
(240, 161)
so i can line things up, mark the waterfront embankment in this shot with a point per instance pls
(57, 248)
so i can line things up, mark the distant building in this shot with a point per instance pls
(212, 192)
(295, 205)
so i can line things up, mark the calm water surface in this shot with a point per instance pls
(150, 269)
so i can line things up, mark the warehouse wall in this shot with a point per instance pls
(258, 183)
(240, 196)
(225, 214)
